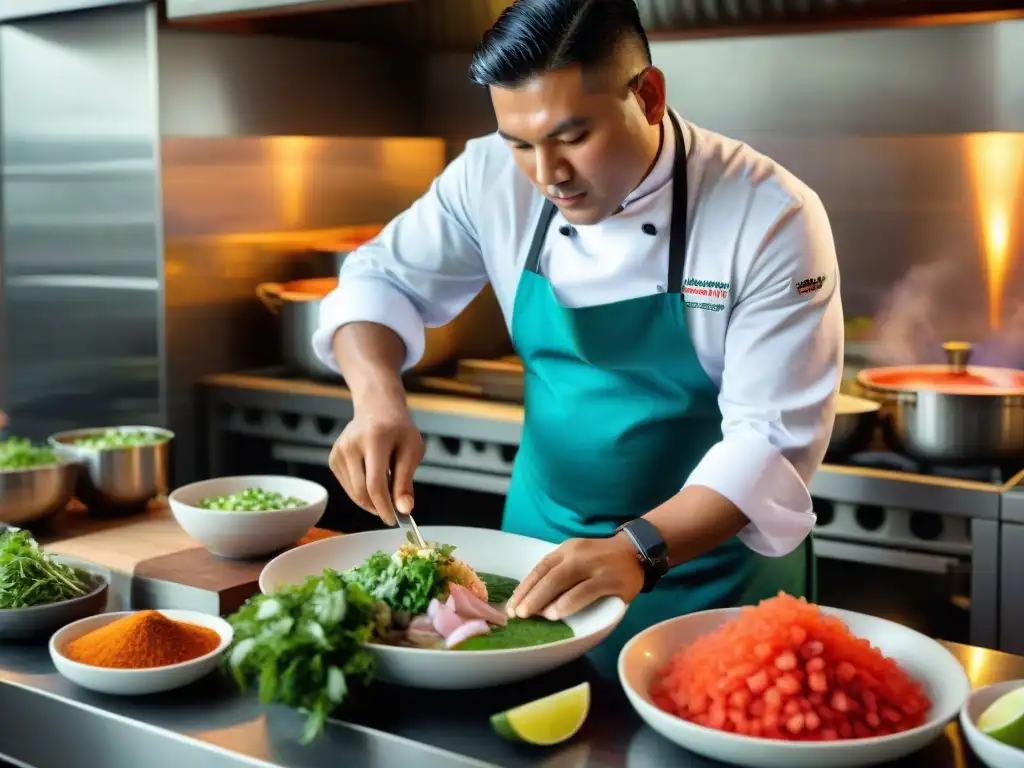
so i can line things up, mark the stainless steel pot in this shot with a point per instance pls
(478, 332)
(118, 479)
(854, 426)
(29, 496)
(951, 414)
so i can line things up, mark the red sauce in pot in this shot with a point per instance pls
(975, 380)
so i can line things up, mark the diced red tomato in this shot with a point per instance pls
(784, 670)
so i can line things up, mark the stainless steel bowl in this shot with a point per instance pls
(117, 479)
(28, 496)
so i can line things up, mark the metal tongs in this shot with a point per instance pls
(405, 522)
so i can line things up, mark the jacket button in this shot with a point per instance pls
(566, 230)
(649, 229)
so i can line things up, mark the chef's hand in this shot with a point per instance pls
(380, 435)
(577, 574)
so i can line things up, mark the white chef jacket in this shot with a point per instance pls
(761, 285)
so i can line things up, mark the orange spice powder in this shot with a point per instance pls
(143, 640)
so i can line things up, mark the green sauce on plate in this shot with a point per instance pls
(520, 633)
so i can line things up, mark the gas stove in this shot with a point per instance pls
(876, 508)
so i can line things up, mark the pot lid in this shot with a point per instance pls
(308, 290)
(973, 380)
(954, 378)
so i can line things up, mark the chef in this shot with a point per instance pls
(674, 297)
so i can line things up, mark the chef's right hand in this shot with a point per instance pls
(380, 435)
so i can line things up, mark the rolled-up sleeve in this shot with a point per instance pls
(420, 272)
(782, 368)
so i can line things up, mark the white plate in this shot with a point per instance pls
(248, 534)
(484, 550)
(938, 671)
(137, 682)
(992, 753)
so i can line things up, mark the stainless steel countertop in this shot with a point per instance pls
(50, 723)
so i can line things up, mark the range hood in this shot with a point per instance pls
(459, 24)
(221, 9)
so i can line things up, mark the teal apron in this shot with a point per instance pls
(618, 412)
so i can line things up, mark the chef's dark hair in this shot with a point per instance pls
(535, 36)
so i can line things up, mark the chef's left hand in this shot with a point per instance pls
(575, 575)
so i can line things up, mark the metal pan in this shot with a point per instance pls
(854, 426)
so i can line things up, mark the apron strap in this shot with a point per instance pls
(680, 202)
(547, 213)
(677, 232)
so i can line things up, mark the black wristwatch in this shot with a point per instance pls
(651, 550)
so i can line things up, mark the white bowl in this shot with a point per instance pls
(248, 534)
(137, 682)
(486, 550)
(992, 753)
(943, 678)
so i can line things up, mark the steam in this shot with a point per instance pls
(945, 301)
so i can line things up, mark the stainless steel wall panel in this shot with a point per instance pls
(238, 212)
(869, 82)
(82, 266)
(214, 85)
(1009, 76)
(878, 121)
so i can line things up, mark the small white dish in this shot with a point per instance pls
(992, 753)
(137, 682)
(485, 550)
(241, 535)
(943, 678)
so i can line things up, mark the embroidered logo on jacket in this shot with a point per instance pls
(712, 289)
(810, 285)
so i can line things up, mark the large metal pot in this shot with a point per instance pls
(951, 414)
(478, 332)
(118, 479)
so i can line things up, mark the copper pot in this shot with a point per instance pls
(953, 413)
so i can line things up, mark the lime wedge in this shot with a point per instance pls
(551, 720)
(1004, 719)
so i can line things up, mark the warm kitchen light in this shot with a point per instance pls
(290, 168)
(996, 164)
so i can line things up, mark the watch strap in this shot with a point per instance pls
(651, 550)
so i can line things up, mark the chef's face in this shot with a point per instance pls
(585, 139)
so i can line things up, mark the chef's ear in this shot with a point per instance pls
(649, 89)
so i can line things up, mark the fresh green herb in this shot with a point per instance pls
(518, 633)
(302, 646)
(252, 500)
(406, 581)
(19, 453)
(113, 439)
(30, 577)
(499, 588)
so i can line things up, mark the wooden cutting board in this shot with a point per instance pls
(154, 563)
